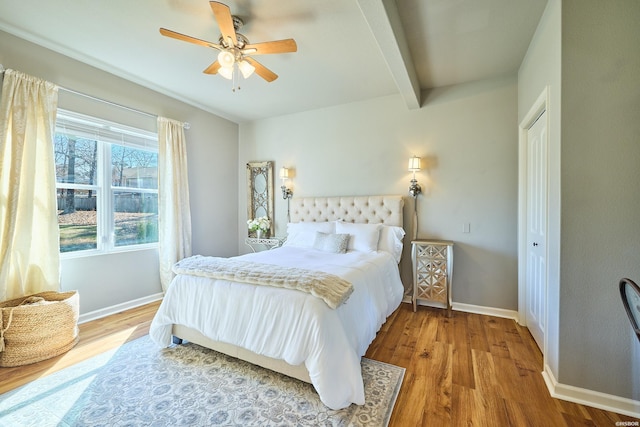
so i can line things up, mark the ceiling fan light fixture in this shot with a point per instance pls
(246, 69)
(226, 72)
(234, 48)
(226, 59)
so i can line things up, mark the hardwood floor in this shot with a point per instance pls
(96, 337)
(472, 369)
(465, 370)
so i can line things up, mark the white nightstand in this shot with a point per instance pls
(432, 272)
(263, 243)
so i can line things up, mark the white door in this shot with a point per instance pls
(536, 269)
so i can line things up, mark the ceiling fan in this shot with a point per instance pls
(235, 49)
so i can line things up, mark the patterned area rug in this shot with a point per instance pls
(188, 385)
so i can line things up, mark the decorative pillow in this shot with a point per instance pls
(391, 240)
(303, 234)
(364, 237)
(336, 243)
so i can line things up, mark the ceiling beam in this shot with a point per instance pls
(384, 21)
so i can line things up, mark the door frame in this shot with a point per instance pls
(541, 104)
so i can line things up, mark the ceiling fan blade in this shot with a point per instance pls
(276, 46)
(213, 68)
(189, 39)
(261, 70)
(222, 14)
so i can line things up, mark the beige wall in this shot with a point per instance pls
(586, 53)
(467, 137)
(108, 280)
(600, 197)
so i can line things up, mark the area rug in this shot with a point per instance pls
(188, 385)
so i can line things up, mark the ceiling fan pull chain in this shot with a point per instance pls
(234, 74)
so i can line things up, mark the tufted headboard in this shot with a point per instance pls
(359, 209)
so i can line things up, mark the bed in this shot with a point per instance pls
(287, 330)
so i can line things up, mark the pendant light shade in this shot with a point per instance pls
(226, 59)
(246, 69)
(226, 72)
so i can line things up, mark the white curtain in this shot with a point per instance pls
(174, 214)
(29, 237)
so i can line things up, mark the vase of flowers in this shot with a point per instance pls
(259, 226)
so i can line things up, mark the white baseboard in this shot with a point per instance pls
(470, 308)
(489, 311)
(607, 402)
(103, 312)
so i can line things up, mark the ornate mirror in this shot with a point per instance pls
(260, 192)
(630, 293)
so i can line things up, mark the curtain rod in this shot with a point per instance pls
(186, 125)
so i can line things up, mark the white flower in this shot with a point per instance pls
(261, 223)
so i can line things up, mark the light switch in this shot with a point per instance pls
(466, 227)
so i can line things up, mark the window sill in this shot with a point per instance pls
(118, 250)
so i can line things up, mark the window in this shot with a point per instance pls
(107, 185)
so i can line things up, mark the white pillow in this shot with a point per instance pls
(336, 243)
(364, 237)
(303, 234)
(391, 240)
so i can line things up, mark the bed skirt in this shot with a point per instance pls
(299, 372)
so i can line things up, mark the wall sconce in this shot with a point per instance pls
(414, 166)
(284, 176)
(287, 194)
(414, 190)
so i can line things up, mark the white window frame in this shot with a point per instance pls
(105, 133)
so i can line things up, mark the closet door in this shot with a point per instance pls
(536, 270)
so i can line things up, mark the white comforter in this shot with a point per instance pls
(291, 325)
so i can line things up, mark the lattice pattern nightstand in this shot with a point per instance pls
(267, 243)
(432, 271)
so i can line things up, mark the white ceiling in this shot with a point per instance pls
(348, 50)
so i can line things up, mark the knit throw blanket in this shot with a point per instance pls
(328, 287)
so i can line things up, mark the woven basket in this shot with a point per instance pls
(38, 327)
